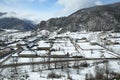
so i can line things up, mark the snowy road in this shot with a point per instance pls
(56, 61)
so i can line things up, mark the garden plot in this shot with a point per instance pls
(88, 46)
(94, 51)
(114, 48)
(97, 54)
(65, 46)
(114, 39)
(33, 53)
(113, 43)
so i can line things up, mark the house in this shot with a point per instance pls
(93, 42)
(83, 39)
(42, 45)
(27, 53)
(58, 54)
(2, 43)
(4, 52)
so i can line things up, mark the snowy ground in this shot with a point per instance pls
(65, 45)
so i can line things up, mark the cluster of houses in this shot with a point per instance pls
(59, 45)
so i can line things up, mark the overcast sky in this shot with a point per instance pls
(38, 10)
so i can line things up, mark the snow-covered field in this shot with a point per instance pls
(37, 56)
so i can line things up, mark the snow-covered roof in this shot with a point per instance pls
(32, 39)
(14, 44)
(27, 53)
(42, 52)
(76, 54)
(44, 32)
(21, 42)
(93, 41)
(57, 53)
(35, 47)
(43, 44)
(15, 55)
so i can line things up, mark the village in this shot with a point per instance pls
(44, 55)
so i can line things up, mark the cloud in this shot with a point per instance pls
(70, 6)
(25, 10)
(41, 1)
(7, 2)
(99, 3)
(36, 17)
(13, 2)
(19, 11)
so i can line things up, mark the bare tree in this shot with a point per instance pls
(32, 65)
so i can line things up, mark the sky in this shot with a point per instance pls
(38, 10)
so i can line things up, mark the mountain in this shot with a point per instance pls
(1, 14)
(15, 23)
(98, 18)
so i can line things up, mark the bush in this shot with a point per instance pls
(53, 75)
(69, 78)
(89, 77)
(84, 64)
(116, 76)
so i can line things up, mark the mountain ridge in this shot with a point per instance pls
(98, 18)
(3, 13)
(16, 23)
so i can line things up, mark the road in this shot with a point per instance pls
(9, 56)
(56, 61)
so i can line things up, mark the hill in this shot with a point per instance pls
(15, 23)
(98, 18)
